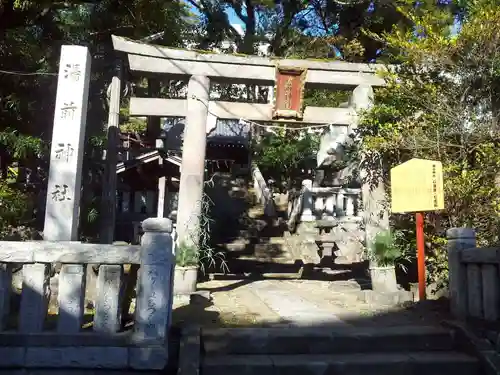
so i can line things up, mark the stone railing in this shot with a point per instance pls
(295, 204)
(33, 345)
(474, 277)
(316, 203)
(263, 192)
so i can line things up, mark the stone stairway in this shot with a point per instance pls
(261, 247)
(403, 350)
(263, 256)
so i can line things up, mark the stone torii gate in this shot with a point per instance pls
(288, 78)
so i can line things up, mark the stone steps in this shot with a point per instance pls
(268, 255)
(342, 350)
(428, 363)
(321, 341)
(241, 242)
(260, 243)
(265, 249)
(264, 259)
(263, 266)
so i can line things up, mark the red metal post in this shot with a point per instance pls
(421, 256)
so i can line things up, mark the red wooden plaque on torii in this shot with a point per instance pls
(289, 92)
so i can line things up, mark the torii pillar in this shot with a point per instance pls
(375, 213)
(193, 161)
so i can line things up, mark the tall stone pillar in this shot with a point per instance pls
(193, 159)
(68, 136)
(108, 203)
(375, 214)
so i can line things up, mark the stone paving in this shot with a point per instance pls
(274, 302)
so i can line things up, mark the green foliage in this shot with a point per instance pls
(325, 98)
(196, 249)
(21, 146)
(437, 260)
(131, 124)
(387, 250)
(14, 205)
(284, 154)
(33, 32)
(441, 103)
(304, 29)
(186, 255)
(32, 35)
(134, 125)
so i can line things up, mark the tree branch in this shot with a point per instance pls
(12, 17)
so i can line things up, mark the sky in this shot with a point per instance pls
(233, 18)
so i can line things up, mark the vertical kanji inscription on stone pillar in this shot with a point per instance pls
(65, 173)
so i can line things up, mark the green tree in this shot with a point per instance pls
(441, 103)
(328, 29)
(32, 35)
(286, 156)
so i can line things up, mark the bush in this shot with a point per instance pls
(15, 212)
(388, 250)
(14, 205)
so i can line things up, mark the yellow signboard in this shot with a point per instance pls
(417, 186)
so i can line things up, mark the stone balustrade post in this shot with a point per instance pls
(154, 294)
(319, 205)
(349, 206)
(330, 202)
(458, 240)
(307, 202)
(339, 205)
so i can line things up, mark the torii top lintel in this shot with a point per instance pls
(150, 58)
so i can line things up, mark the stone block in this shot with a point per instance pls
(12, 357)
(107, 309)
(72, 280)
(149, 358)
(248, 365)
(32, 371)
(153, 305)
(77, 357)
(357, 363)
(34, 297)
(5, 292)
(385, 298)
(190, 352)
(296, 341)
(290, 366)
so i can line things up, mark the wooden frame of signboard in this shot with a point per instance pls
(289, 92)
